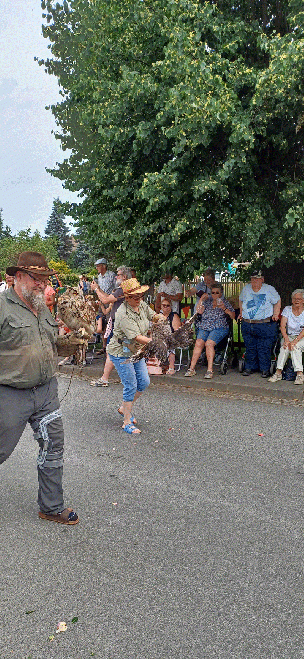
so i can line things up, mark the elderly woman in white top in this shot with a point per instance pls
(292, 329)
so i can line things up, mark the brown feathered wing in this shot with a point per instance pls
(163, 340)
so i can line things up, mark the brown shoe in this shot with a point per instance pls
(67, 516)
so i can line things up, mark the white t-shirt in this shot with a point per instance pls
(3, 286)
(295, 324)
(258, 305)
(172, 288)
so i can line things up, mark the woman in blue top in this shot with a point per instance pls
(214, 326)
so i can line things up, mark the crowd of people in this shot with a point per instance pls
(29, 345)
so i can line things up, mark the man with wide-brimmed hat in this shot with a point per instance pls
(28, 388)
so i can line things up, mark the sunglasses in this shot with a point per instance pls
(43, 281)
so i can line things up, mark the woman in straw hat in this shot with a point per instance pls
(130, 333)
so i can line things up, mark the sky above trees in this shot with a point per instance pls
(27, 147)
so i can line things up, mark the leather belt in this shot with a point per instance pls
(255, 322)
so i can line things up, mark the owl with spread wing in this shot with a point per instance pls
(163, 340)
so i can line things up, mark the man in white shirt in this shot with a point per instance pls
(260, 306)
(106, 278)
(169, 289)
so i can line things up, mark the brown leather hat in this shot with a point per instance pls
(33, 263)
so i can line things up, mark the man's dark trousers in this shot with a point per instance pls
(38, 406)
(259, 339)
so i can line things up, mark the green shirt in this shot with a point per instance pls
(129, 324)
(28, 355)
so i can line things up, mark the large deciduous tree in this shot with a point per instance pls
(185, 125)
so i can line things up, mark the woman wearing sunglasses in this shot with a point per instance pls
(132, 322)
(213, 327)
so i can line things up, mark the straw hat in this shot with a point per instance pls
(33, 263)
(132, 287)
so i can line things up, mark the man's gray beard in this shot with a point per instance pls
(34, 300)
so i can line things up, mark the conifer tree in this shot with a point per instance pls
(56, 227)
(4, 232)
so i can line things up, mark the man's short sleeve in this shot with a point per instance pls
(161, 287)
(242, 294)
(178, 287)
(118, 293)
(273, 295)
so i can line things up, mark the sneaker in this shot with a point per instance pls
(299, 379)
(189, 373)
(208, 375)
(275, 377)
(99, 383)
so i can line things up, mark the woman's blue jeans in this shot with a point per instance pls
(134, 377)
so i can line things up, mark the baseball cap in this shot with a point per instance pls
(257, 274)
(101, 262)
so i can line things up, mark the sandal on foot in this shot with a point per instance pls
(189, 373)
(170, 371)
(130, 429)
(133, 420)
(208, 375)
(67, 516)
(99, 383)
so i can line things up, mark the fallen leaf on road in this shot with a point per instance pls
(61, 627)
(27, 613)
(51, 638)
(114, 503)
(75, 619)
(260, 434)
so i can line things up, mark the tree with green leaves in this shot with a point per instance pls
(4, 232)
(185, 124)
(11, 246)
(56, 228)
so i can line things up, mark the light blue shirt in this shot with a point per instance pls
(257, 306)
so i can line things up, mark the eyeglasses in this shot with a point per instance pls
(166, 305)
(136, 297)
(43, 281)
(216, 293)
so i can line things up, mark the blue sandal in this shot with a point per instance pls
(129, 428)
(133, 420)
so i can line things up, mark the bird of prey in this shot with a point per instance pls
(163, 340)
(78, 314)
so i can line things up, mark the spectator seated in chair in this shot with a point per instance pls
(214, 326)
(292, 330)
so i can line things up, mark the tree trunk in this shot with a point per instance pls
(285, 276)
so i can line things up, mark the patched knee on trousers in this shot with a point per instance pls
(48, 456)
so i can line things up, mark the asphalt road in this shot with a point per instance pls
(190, 541)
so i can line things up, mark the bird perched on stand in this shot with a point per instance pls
(78, 314)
